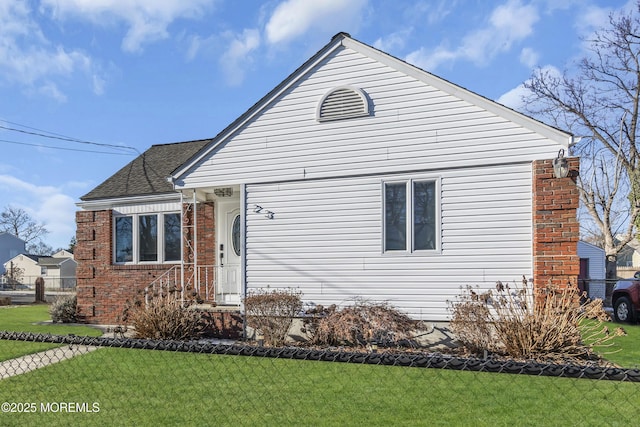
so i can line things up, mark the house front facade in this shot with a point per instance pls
(359, 176)
(58, 270)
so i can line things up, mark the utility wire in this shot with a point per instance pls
(53, 135)
(64, 148)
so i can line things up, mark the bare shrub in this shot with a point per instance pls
(550, 324)
(64, 308)
(271, 313)
(165, 319)
(471, 323)
(360, 324)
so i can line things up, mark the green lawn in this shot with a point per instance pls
(145, 387)
(29, 318)
(625, 350)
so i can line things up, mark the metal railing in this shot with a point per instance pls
(210, 283)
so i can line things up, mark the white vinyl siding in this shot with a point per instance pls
(325, 239)
(323, 181)
(413, 126)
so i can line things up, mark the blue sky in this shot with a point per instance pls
(141, 72)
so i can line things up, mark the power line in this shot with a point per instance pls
(61, 137)
(64, 148)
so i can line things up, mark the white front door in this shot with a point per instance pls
(228, 251)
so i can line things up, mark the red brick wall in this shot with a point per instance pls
(103, 288)
(555, 225)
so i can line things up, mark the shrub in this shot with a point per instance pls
(164, 319)
(549, 325)
(360, 324)
(63, 309)
(271, 313)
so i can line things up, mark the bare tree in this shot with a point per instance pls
(18, 222)
(600, 102)
(14, 275)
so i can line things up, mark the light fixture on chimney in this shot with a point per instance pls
(560, 165)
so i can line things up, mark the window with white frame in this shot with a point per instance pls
(147, 238)
(411, 216)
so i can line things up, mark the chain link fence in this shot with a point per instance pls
(69, 380)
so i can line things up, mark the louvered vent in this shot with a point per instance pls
(343, 103)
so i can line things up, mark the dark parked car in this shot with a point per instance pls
(626, 299)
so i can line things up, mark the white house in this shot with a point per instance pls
(359, 175)
(58, 270)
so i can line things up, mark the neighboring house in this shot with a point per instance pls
(629, 256)
(58, 270)
(10, 246)
(359, 175)
(592, 270)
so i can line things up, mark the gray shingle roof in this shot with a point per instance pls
(47, 261)
(147, 174)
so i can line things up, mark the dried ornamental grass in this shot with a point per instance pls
(166, 319)
(64, 309)
(550, 324)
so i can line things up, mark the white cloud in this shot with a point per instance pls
(508, 24)
(147, 21)
(514, 97)
(394, 41)
(293, 18)
(529, 57)
(30, 60)
(238, 57)
(46, 204)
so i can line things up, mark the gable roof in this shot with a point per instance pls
(147, 174)
(48, 261)
(344, 39)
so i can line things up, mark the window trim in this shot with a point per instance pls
(135, 238)
(410, 216)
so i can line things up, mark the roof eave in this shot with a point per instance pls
(109, 203)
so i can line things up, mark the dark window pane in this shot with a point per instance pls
(395, 217)
(235, 235)
(424, 215)
(124, 239)
(148, 237)
(172, 237)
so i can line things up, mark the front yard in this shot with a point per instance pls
(146, 387)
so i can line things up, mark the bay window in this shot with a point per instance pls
(147, 238)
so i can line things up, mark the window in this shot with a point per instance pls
(172, 237)
(235, 235)
(124, 239)
(147, 238)
(410, 216)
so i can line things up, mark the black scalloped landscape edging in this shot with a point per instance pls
(418, 360)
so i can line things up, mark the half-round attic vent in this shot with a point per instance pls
(343, 103)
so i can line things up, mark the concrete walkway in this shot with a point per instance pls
(31, 362)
